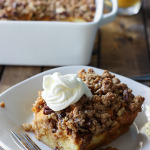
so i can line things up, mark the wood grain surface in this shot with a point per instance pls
(14, 74)
(146, 18)
(124, 47)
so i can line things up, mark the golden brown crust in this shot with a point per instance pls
(47, 10)
(42, 132)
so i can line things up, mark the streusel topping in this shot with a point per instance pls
(112, 102)
(46, 9)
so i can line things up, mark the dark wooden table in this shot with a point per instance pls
(122, 47)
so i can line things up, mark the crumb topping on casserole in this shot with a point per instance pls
(60, 10)
(112, 102)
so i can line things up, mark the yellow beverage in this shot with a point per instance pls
(127, 3)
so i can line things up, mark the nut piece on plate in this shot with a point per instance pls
(2, 104)
(27, 126)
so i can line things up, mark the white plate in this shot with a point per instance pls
(19, 100)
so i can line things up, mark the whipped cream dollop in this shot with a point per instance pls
(60, 91)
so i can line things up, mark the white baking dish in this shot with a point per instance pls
(51, 42)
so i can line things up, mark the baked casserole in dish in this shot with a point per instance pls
(50, 32)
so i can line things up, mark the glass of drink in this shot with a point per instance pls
(126, 7)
